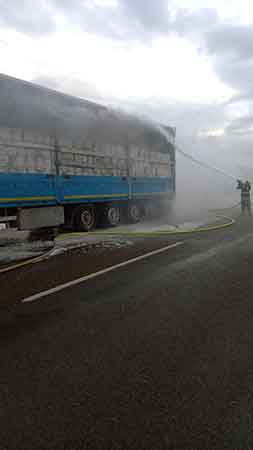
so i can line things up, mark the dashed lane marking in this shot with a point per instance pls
(61, 287)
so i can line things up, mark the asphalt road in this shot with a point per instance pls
(157, 355)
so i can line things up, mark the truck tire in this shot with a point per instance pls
(113, 214)
(134, 213)
(86, 218)
(151, 211)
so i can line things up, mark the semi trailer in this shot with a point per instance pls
(69, 161)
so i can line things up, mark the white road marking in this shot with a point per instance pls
(61, 287)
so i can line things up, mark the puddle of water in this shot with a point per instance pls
(14, 245)
(19, 252)
(13, 236)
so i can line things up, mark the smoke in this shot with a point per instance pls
(200, 185)
(200, 190)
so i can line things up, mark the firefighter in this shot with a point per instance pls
(245, 196)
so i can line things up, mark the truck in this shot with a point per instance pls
(72, 162)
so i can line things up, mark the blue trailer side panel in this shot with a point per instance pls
(23, 189)
(143, 187)
(78, 189)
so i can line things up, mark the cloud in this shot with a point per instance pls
(192, 24)
(149, 15)
(228, 46)
(237, 74)
(27, 16)
(230, 40)
(125, 20)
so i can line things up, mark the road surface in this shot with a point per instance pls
(156, 355)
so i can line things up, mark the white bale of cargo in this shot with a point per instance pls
(24, 151)
(37, 155)
(89, 139)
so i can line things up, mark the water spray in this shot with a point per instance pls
(195, 160)
(205, 165)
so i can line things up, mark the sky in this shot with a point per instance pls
(185, 63)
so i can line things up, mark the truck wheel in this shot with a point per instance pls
(113, 216)
(134, 213)
(86, 218)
